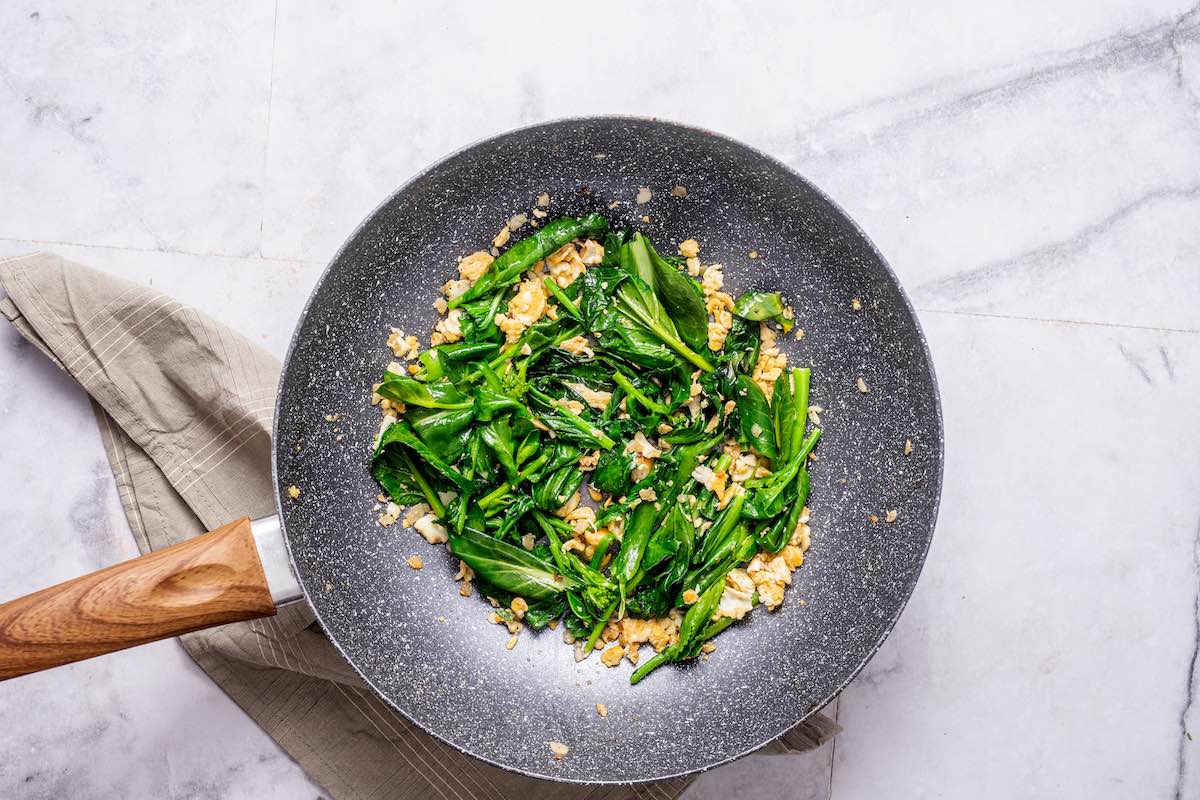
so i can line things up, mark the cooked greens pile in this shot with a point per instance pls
(493, 432)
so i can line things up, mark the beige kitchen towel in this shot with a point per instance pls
(184, 406)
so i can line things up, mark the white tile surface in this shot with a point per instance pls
(1050, 641)
(361, 102)
(137, 127)
(1016, 163)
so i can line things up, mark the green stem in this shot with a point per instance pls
(801, 378)
(431, 497)
(555, 542)
(533, 466)
(679, 347)
(499, 493)
(716, 627)
(578, 422)
(562, 298)
(635, 393)
(724, 526)
(645, 669)
(601, 549)
(599, 628)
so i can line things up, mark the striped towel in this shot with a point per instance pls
(184, 406)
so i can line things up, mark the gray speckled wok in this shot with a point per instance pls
(433, 655)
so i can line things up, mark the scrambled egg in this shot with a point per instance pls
(596, 399)
(716, 482)
(403, 346)
(466, 575)
(642, 446)
(591, 252)
(736, 600)
(578, 346)
(644, 454)
(630, 634)
(745, 466)
(718, 304)
(768, 574)
(413, 514)
(472, 267)
(428, 527)
(565, 264)
(771, 360)
(525, 308)
(613, 655)
(448, 328)
(453, 289)
(771, 575)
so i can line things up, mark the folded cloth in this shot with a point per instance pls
(184, 406)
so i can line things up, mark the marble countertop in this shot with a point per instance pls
(1031, 170)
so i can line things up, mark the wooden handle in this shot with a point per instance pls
(209, 580)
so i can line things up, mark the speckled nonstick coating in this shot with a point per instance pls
(432, 654)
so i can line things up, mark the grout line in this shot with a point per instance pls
(1055, 321)
(131, 249)
(262, 217)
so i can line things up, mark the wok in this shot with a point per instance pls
(433, 655)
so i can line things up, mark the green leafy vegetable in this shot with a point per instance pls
(438, 394)
(506, 269)
(682, 297)
(638, 304)
(509, 430)
(758, 306)
(509, 567)
(756, 427)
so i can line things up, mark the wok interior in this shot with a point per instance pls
(432, 654)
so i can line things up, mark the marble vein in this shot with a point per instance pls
(1135, 362)
(1046, 258)
(1187, 20)
(930, 102)
(1185, 736)
(1166, 360)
